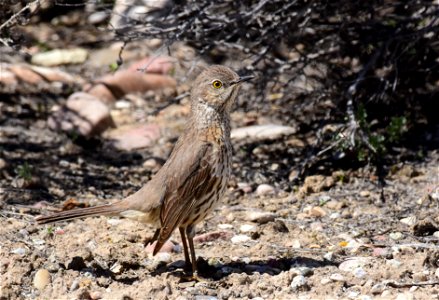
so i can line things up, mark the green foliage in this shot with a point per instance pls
(24, 171)
(114, 66)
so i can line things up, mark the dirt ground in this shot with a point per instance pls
(336, 235)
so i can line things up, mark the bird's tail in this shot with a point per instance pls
(108, 209)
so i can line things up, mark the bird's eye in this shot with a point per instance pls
(217, 84)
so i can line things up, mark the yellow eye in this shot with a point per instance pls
(217, 84)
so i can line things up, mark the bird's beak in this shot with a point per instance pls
(242, 79)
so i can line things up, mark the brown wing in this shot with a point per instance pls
(189, 180)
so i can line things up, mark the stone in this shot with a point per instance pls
(377, 288)
(41, 279)
(240, 238)
(353, 263)
(337, 277)
(247, 228)
(317, 211)
(261, 132)
(58, 57)
(299, 283)
(409, 220)
(133, 137)
(396, 236)
(260, 217)
(264, 189)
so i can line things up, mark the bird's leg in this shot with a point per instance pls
(190, 232)
(185, 248)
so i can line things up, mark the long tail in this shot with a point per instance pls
(108, 209)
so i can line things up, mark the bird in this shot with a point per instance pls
(194, 178)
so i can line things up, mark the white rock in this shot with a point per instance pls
(377, 288)
(436, 273)
(163, 257)
(325, 281)
(58, 57)
(42, 279)
(298, 282)
(260, 217)
(305, 271)
(261, 132)
(436, 234)
(393, 263)
(247, 228)
(404, 296)
(353, 294)
(240, 238)
(409, 220)
(225, 226)
(19, 251)
(264, 189)
(353, 263)
(359, 273)
(337, 277)
(396, 236)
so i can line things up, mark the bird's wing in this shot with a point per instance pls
(192, 173)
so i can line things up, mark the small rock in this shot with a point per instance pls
(393, 263)
(240, 238)
(205, 297)
(133, 137)
(359, 273)
(404, 296)
(436, 273)
(305, 271)
(364, 193)
(409, 220)
(245, 187)
(42, 279)
(317, 211)
(295, 244)
(261, 132)
(163, 257)
(167, 247)
(225, 226)
(353, 294)
(97, 17)
(380, 252)
(328, 256)
(116, 268)
(436, 234)
(19, 251)
(353, 263)
(213, 236)
(419, 277)
(247, 228)
(95, 295)
(60, 57)
(396, 236)
(325, 281)
(337, 277)
(299, 283)
(260, 217)
(74, 286)
(264, 189)
(377, 288)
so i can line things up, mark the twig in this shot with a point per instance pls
(407, 285)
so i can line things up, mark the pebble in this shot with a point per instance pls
(264, 189)
(261, 132)
(396, 236)
(365, 297)
(260, 217)
(419, 277)
(205, 297)
(355, 262)
(245, 187)
(97, 17)
(240, 238)
(404, 296)
(377, 289)
(436, 273)
(353, 294)
(360, 273)
(225, 226)
(95, 295)
(247, 228)
(298, 282)
(295, 244)
(116, 268)
(74, 286)
(329, 256)
(305, 271)
(325, 281)
(409, 220)
(163, 257)
(42, 279)
(364, 193)
(317, 211)
(393, 263)
(337, 277)
(436, 234)
(19, 251)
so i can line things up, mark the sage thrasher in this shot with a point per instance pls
(195, 176)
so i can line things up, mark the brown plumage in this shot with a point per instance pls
(195, 176)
